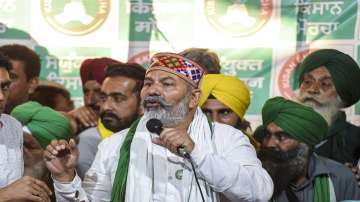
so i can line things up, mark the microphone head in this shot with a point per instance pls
(154, 126)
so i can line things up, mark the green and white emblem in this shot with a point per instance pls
(75, 17)
(238, 17)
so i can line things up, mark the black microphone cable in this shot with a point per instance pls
(187, 156)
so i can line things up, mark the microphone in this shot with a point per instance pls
(155, 126)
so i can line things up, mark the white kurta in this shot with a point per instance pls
(233, 169)
(11, 153)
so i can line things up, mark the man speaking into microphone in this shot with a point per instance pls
(136, 165)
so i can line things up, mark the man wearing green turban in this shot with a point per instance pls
(327, 85)
(42, 122)
(291, 132)
(41, 125)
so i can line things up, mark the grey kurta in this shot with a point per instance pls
(89, 140)
(345, 185)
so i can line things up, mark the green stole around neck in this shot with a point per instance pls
(119, 186)
(323, 190)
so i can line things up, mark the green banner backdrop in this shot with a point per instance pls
(259, 41)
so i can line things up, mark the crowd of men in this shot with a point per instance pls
(203, 149)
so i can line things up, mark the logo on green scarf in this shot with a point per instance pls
(238, 17)
(75, 17)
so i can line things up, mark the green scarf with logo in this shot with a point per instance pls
(119, 186)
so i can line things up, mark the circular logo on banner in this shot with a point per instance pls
(287, 70)
(75, 17)
(238, 17)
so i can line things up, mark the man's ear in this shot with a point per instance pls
(195, 98)
(33, 84)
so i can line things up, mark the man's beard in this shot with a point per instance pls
(2, 108)
(8, 108)
(114, 123)
(285, 167)
(169, 115)
(328, 108)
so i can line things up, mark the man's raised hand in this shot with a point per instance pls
(60, 158)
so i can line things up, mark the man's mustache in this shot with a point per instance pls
(277, 156)
(159, 99)
(312, 98)
(108, 115)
